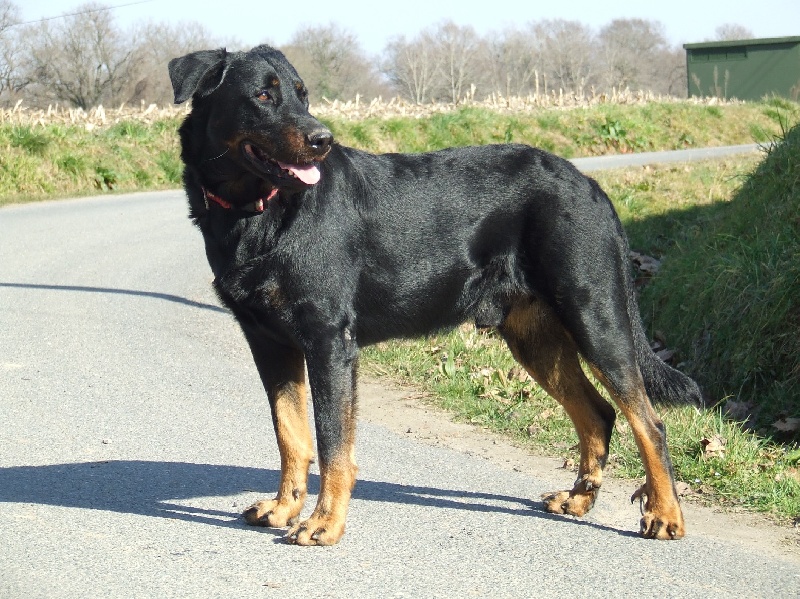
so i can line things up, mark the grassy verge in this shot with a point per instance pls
(726, 298)
(471, 374)
(719, 458)
(730, 293)
(42, 159)
(574, 132)
(58, 160)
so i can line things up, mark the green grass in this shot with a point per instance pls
(39, 161)
(574, 132)
(44, 161)
(471, 374)
(73, 165)
(730, 290)
(726, 298)
(28, 139)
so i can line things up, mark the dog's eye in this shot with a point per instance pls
(264, 96)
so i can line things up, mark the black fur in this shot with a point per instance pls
(393, 245)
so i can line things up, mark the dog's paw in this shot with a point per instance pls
(576, 502)
(569, 502)
(272, 513)
(665, 523)
(653, 526)
(316, 531)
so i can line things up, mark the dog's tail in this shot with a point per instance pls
(664, 384)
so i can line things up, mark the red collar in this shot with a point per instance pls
(257, 206)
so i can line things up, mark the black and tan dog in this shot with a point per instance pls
(319, 249)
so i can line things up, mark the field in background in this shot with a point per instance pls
(689, 217)
(65, 152)
(354, 110)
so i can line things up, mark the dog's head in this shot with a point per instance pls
(254, 108)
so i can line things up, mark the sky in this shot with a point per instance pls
(376, 23)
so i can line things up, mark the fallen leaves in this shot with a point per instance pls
(504, 386)
(713, 447)
(659, 346)
(545, 414)
(790, 473)
(536, 428)
(533, 430)
(646, 265)
(666, 355)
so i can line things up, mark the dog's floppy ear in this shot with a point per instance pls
(198, 72)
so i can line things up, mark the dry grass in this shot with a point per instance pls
(89, 119)
(352, 110)
(359, 109)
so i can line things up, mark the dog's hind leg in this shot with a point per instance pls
(603, 331)
(662, 517)
(282, 371)
(541, 344)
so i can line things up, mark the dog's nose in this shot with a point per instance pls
(320, 140)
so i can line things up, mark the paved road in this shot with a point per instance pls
(133, 430)
(596, 163)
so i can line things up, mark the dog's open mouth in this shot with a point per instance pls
(305, 173)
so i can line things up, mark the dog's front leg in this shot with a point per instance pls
(282, 371)
(332, 374)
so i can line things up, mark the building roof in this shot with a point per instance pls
(764, 41)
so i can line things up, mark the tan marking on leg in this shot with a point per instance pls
(327, 523)
(540, 343)
(296, 450)
(662, 517)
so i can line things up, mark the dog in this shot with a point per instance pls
(320, 249)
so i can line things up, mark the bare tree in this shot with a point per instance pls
(634, 53)
(155, 45)
(731, 32)
(81, 59)
(458, 48)
(331, 62)
(84, 59)
(515, 62)
(568, 49)
(9, 49)
(9, 15)
(440, 62)
(672, 68)
(412, 66)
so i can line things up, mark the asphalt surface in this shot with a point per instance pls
(134, 429)
(595, 163)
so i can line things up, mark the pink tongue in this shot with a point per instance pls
(308, 174)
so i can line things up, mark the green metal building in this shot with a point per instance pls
(745, 69)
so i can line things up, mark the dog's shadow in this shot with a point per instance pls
(156, 489)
